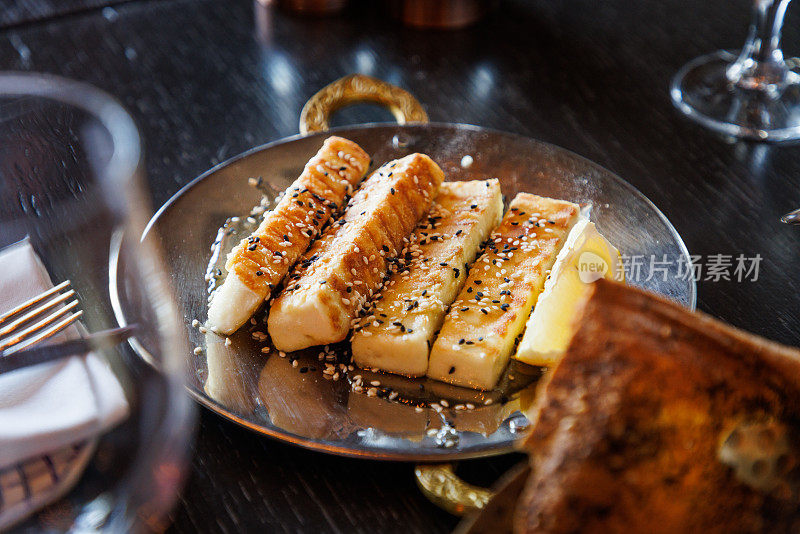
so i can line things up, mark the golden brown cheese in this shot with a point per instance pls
(482, 326)
(397, 333)
(343, 269)
(258, 264)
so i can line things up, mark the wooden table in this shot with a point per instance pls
(207, 79)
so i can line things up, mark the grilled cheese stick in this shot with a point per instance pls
(346, 266)
(258, 264)
(397, 333)
(480, 330)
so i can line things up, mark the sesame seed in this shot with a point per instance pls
(198, 350)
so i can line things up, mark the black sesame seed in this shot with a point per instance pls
(464, 309)
(461, 341)
(253, 246)
(451, 371)
(483, 311)
(259, 273)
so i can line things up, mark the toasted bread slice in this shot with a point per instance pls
(258, 264)
(662, 420)
(480, 330)
(397, 334)
(346, 266)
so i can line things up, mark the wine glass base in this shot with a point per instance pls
(704, 93)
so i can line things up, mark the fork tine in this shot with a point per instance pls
(44, 334)
(32, 302)
(16, 323)
(36, 327)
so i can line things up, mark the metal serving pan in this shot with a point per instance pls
(267, 395)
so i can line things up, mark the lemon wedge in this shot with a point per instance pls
(586, 257)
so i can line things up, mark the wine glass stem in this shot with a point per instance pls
(760, 66)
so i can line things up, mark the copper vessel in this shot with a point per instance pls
(440, 14)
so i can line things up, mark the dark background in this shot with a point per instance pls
(205, 81)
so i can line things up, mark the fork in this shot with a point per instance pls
(49, 312)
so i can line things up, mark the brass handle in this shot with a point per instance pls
(354, 89)
(445, 489)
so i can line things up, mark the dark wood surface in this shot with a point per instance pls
(206, 80)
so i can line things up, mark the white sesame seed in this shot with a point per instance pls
(195, 323)
(198, 350)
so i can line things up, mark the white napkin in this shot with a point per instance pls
(51, 406)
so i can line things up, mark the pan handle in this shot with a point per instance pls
(440, 484)
(357, 88)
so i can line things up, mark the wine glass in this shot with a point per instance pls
(754, 95)
(72, 188)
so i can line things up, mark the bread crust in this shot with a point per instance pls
(636, 429)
